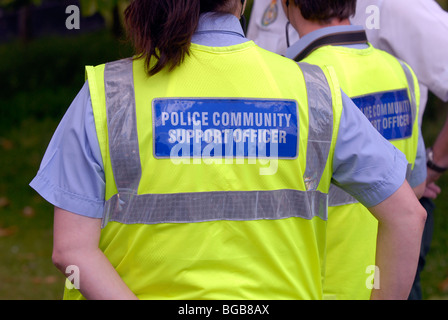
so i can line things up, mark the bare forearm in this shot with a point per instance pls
(440, 154)
(98, 280)
(419, 190)
(398, 249)
(76, 240)
(401, 220)
(440, 147)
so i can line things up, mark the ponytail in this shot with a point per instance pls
(162, 29)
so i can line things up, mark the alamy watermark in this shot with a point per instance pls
(373, 18)
(73, 280)
(227, 146)
(73, 277)
(73, 21)
(373, 280)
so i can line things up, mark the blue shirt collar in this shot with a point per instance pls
(218, 30)
(306, 40)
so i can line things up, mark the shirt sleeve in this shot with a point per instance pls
(71, 174)
(365, 164)
(418, 173)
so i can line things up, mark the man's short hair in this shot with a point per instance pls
(325, 10)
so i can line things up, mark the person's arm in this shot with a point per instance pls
(440, 158)
(76, 240)
(71, 176)
(432, 191)
(401, 220)
(440, 154)
(372, 170)
(419, 190)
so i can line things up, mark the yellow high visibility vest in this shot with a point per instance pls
(386, 91)
(195, 226)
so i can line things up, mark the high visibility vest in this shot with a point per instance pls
(186, 224)
(386, 90)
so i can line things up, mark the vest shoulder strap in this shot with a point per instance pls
(320, 129)
(122, 125)
(412, 88)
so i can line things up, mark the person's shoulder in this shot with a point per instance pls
(276, 58)
(384, 54)
(393, 59)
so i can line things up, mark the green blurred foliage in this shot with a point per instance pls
(38, 82)
(42, 77)
(112, 12)
(104, 7)
(14, 4)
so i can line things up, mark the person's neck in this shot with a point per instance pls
(309, 26)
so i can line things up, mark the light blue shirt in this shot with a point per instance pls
(418, 174)
(71, 174)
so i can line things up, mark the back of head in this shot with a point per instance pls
(162, 29)
(325, 10)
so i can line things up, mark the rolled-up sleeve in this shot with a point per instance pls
(418, 173)
(71, 174)
(365, 164)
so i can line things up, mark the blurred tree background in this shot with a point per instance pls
(41, 71)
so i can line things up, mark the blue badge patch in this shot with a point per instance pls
(227, 128)
(389, 112)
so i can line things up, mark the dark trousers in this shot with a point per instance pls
(428, 204)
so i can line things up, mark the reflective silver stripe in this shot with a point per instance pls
(411, 86)
(129, 207)
(410, 80)
(122, 125)
(338, 197)
(211, 206)
(320, 129)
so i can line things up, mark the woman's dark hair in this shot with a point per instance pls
(162, 29)
(325, 10)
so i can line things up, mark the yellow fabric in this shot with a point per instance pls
(261, 259)
(351, 230)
